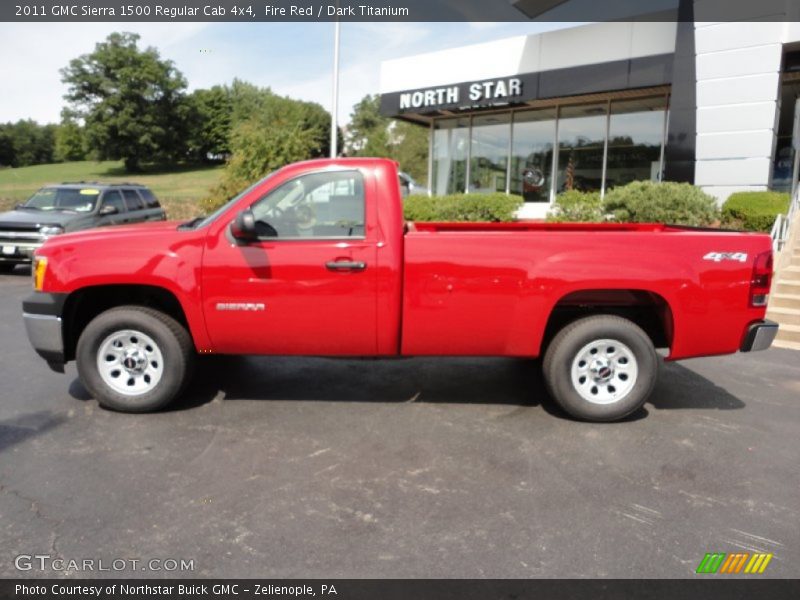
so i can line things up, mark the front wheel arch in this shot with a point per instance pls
(84, 304)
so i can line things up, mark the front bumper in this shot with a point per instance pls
(18, 250)
(42, 315)
(759, 336)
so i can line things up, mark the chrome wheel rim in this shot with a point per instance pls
(130, 362)
(604, 371)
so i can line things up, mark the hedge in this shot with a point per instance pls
(577, 207)
(639, 202)
(666, 202)
(462, 207)
(754, 211)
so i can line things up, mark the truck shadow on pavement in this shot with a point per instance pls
(515, 382)
(20, 428)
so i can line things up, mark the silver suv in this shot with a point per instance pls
(56, 209)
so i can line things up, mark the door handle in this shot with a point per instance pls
(345, 265)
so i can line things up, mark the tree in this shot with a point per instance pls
(6, 145)
(372, 134)
(132, 102)
(26, 143)
(268, 131)
(368, 130)
(211, 122)
(70, 139)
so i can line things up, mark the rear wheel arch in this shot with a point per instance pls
(84, 304)
(645, 308)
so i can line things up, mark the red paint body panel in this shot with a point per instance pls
(490, 290)
(436, 289)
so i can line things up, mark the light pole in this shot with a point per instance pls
(335, 110)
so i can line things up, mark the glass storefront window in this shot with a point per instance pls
(450, 147)
(581, 142)
(635, 134)
(628, 134)
(783, 161)
(491, 135)
(532, 154)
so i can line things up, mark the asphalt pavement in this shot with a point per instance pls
(444, 468)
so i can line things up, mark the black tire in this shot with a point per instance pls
(172, 340)
(563, 354)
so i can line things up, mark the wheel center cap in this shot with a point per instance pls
(601, 370)
(134, 361)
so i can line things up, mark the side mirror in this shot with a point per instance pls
(243, 226)
(108, 209)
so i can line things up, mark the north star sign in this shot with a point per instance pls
(495, 91)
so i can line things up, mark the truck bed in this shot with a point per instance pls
(489, 288)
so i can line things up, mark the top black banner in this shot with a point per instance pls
(397, 10)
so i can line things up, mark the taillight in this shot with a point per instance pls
(761, 280)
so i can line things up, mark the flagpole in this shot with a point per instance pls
(334, 112)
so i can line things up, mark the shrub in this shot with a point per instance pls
(577, 207)
(754, 211)
(667, 202)
(462, 207)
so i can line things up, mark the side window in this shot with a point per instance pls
(319, 205)
(113, 198)
(149, 198)
(132, 200)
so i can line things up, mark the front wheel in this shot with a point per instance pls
(134, 359)
(600, 368)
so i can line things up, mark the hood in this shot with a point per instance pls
(117, 234)
(34, 219)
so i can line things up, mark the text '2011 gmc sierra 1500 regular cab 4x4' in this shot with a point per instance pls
(316, 259)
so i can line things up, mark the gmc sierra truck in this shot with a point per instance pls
(316, 259)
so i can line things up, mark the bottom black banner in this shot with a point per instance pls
(399, 589)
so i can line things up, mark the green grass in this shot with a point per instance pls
(179, 189)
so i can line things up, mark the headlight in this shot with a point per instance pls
(49, 230)
(39, 270)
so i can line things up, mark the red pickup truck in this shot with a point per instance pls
(316, 259)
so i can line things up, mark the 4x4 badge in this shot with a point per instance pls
(720, 256)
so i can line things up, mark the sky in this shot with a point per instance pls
(294, 59)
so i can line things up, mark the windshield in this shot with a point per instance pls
(210, 218)
(71, 199)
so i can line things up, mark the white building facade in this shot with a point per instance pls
(600, 105)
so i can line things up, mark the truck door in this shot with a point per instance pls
(308, 284)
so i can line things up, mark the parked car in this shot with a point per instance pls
(316, 259)
(57, 209)
(409, 187)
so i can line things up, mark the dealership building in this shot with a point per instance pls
(596, 106)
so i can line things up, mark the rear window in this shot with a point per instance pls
(149, 198)
(132, 200)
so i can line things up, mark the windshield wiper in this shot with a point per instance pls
(191, 224)
(22, 206)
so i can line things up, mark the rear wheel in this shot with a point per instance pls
(134, 359)
(600, 368)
